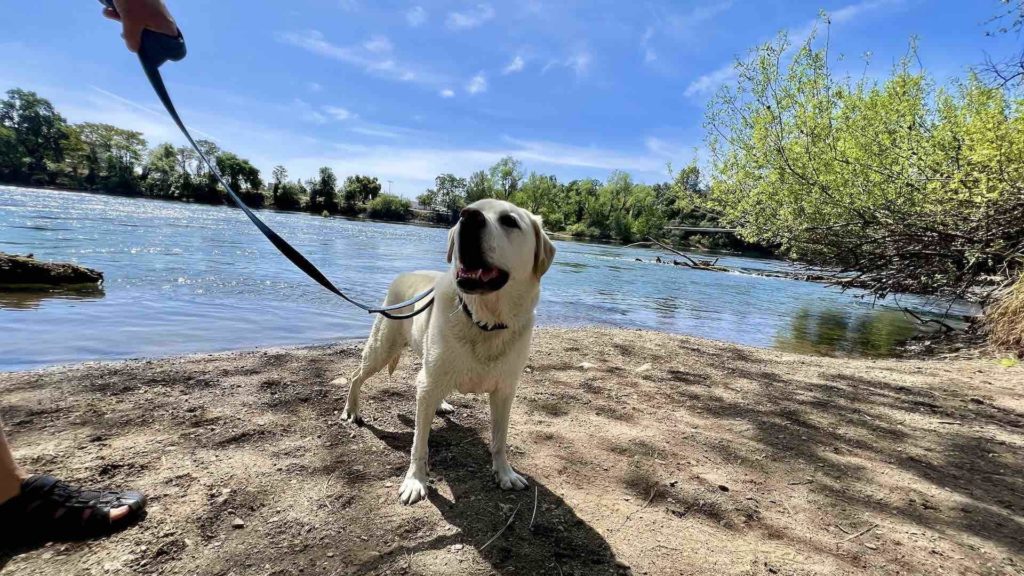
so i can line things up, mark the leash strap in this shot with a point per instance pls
(158, 48)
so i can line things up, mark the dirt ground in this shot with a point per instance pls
(647, 454)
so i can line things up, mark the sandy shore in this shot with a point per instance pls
(648, 453)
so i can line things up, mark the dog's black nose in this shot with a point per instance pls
(472, 218)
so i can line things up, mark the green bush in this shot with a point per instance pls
(389, 207)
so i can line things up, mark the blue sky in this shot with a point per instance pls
(407, 90)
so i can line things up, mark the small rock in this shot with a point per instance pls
(871, 546)
(587, 365)
(457, 547)
(621, 564)
(723, 487)
(238, 523)
(644, 368)
(975, 400)
(330, 554)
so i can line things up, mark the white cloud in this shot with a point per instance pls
(378, 44)
(579, 62)
(690, 22)
(447, 93)
(470, 18)
(376, 132)
(338, 113)
(671, 151)
(416, 16)
(314, 86)
(373, 56)
(516, 65)
(645, 43)
(307, 113)
(477, 84)
(708, 83)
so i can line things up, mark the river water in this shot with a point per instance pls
(184, 278)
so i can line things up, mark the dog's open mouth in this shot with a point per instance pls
(480, 280)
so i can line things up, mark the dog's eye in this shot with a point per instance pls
(508, 221)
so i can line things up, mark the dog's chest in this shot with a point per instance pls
(476, 384)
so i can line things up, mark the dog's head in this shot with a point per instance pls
(495, 243)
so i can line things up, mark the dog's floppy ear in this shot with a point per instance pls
(544, 251)
(451, 243)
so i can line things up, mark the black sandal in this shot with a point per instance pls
(51, 509)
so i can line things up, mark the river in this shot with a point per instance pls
(186, 278)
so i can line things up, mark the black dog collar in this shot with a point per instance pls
(481, 325)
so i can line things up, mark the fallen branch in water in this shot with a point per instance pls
(695, 264)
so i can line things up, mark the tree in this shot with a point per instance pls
(389, 207)
(1009, 71)
(507, 174)
(8, 154)
(427, 198)
(280, 176)
(359, 189)
(113, 156)
(243, 177)
(162, 177)
(896, 185)
(323, 191)
(290, 195)
(479, 186)
(449, 195)
(540, 194)
(38, 132)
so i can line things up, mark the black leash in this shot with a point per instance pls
(158, 48)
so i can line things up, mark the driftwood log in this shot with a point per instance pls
(25, 272)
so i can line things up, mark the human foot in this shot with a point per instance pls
(50, 508)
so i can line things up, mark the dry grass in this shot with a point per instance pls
(1005, 321)
(641, 478)
(637, 447)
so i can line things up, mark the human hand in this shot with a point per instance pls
(138, 15)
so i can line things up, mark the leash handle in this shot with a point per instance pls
(157, 48)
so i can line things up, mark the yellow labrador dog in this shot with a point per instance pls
(475, 338)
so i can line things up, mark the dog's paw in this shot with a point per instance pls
(445, 408)
(353, 417)
(508, 479)
(412, 491)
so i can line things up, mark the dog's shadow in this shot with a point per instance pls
(554, 540)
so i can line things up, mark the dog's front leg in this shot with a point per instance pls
(501, 407)
(428, 398)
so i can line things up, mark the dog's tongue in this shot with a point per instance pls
(481, 274)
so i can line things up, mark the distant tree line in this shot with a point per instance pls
(618, 209)
(39, 147)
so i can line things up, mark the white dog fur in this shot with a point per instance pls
(459, 347)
